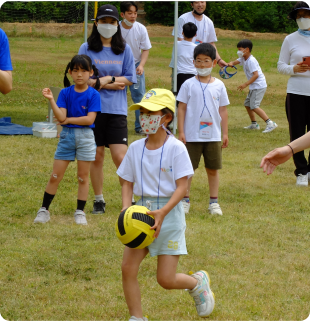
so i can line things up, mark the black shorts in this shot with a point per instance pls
(110, 129)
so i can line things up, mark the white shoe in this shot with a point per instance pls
(302, 180)
(132, 318)
(270, 127)
(80, 217)
(252, 126)
(43, 216)
(186, 206)
(214, 208)
(202, 294)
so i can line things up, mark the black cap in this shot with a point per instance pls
(299, 5)
(107, 10)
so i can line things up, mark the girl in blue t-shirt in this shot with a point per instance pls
(76, 110)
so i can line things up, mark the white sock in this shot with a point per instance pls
(99, 198)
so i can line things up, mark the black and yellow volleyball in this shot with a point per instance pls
(133, 227)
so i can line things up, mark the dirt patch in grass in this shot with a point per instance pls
(77, 29)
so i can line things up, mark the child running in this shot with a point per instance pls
(157, 168)
(76, 110)
(202, 111)
(257, 85)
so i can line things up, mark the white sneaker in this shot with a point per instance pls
(270, 127)
(186, 206)
(43, 216)
(132, 318)
(252, 126)
(80, 217)
(214, 208)
(302, 180)
(202, 294)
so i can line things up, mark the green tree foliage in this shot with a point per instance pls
(266, 16)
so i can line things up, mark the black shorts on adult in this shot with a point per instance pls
(110, 129)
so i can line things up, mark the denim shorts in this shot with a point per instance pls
(76, 143)
(171, 238)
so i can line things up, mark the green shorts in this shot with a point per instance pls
(211, 151)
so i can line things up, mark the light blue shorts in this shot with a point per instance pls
(171, 239)
(76, 143)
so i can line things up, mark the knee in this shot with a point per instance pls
(129, 270)
(165, 283)
(82, 179)
(55, 178)
(212, 172)
(99, 156)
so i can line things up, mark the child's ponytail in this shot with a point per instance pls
(66, 80)
(96, 73)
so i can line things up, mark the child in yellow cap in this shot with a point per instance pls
(157, 168)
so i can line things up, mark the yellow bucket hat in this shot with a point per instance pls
(156, 99)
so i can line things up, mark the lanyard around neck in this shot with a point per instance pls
(161, 157)
(204, 99)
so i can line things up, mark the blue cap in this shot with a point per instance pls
(225, 74)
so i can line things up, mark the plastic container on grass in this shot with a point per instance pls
(44, 130)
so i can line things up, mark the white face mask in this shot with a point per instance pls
(106, 30)
(303, 23)
(204, 71)
(240, 53)
(128, 23)
(150, 123)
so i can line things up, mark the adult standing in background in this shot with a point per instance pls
(112, 57)
(294, 48)
(5, 64)
(136, 36)
(205, 27)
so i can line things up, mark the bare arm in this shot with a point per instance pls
(224, 115)
(181, 119)
(59, 113)
(233, 63)
(249, 82)
(6, 81)
(82, 121)
(176, 197)
(144, 56)
(219, 60)
(127, 191)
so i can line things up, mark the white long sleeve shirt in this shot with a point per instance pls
(294, 47)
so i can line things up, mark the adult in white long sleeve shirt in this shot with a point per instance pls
(294, 48)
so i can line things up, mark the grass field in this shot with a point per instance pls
(257, 253)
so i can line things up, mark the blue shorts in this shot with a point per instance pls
(171, 238)
(76, 143)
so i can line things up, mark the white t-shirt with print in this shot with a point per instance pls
(249, 66)
(137, 38)
(215, 97)
(175, 164)
(205, 28)
(185, 58)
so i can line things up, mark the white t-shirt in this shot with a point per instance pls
(205, 28)
(294, 47)
(185, 58)
(215, 97)
(175, 164)
(249, 66)
(137, 38)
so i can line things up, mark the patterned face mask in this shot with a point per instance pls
(150, 123)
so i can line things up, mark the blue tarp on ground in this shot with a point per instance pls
(7, 128)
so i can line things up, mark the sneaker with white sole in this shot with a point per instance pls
(252, 126)
(302, 180)
(99, 207)
(202, 294)
(133, 202)
(270, 126)
(43, 216)
(186, 206)
(80, 217)
(214, 208)
(132, 318)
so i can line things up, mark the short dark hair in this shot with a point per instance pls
(125, 6)
(205, 49)
(245, 43)
(189, 30)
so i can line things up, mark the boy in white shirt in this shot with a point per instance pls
(185, 66)
(257, 85)
(136, 36)
(201, 114)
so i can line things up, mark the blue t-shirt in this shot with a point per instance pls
(79, 104)
(110, 64)
(5, 57)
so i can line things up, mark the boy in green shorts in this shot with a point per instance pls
(201, 114)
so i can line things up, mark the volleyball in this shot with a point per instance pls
(133, 227)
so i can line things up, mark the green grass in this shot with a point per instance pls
(256, 254)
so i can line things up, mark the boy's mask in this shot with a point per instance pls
(204, 71)
(240, 53)
(128, 23)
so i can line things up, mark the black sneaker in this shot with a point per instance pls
(99, 207)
